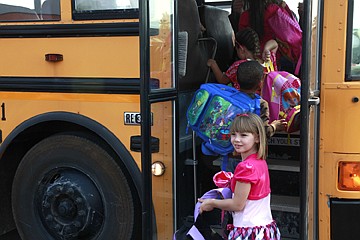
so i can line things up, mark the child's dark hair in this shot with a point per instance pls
(256, 10)
(250, 39)
(250, 75)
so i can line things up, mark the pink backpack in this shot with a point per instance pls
(288, 34)
(282, 92)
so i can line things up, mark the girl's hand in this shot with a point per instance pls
(266, 55)
(206, 205)
(283, 4)
(280, 125)
(211, 62)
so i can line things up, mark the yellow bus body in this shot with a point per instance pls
(339, 115)
(112, 57)
(93, 57)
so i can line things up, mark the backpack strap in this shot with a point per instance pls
(195, 234)
(205, 150)
(298, 65)
(225, 159)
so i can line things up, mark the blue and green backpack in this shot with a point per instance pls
(211, 112)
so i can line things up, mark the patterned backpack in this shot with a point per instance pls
(211, 112)
(282, 92)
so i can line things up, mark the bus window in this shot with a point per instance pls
(161, 52)
(355, 46)
(81, 5)
(19, 11)
(11, 11)
(50, 10)
(105, 9)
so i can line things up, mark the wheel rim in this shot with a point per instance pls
(69, 204)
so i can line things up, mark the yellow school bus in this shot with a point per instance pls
(70, 78)
(93, 129)
(337, 79)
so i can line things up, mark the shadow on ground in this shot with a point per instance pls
(13, 235)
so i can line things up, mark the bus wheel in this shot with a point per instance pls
(67, 187)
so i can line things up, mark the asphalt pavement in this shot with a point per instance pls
(13, 235)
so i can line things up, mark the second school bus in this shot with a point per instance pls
(93, 98)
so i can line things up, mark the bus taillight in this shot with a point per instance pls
(349, 176)
(53, 57)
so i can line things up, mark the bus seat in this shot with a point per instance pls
(50, 10)
(16, 13)
(217, 24)
(199, 50)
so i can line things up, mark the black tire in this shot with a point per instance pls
(67, 187)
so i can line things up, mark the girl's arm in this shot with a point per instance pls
(219, 75)
(270, 46)
(279, 125)
(276, 125)
(237, 203)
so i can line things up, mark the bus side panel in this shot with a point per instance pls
(342, 114)
(109, 57)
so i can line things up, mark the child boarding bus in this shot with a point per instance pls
(93, 98)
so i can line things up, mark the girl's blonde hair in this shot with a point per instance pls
(251, 123)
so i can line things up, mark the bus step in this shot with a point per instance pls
(285, 203)
(217, 162)
(191, 162)
(283, 165)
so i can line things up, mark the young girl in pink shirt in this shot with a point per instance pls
(250, 203)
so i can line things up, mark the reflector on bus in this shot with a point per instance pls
(349, 176)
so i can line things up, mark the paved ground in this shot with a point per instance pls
(13, 235)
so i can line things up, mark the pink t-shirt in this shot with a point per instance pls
(254, 171)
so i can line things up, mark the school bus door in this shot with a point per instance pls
(157, 113)
(309, 135)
